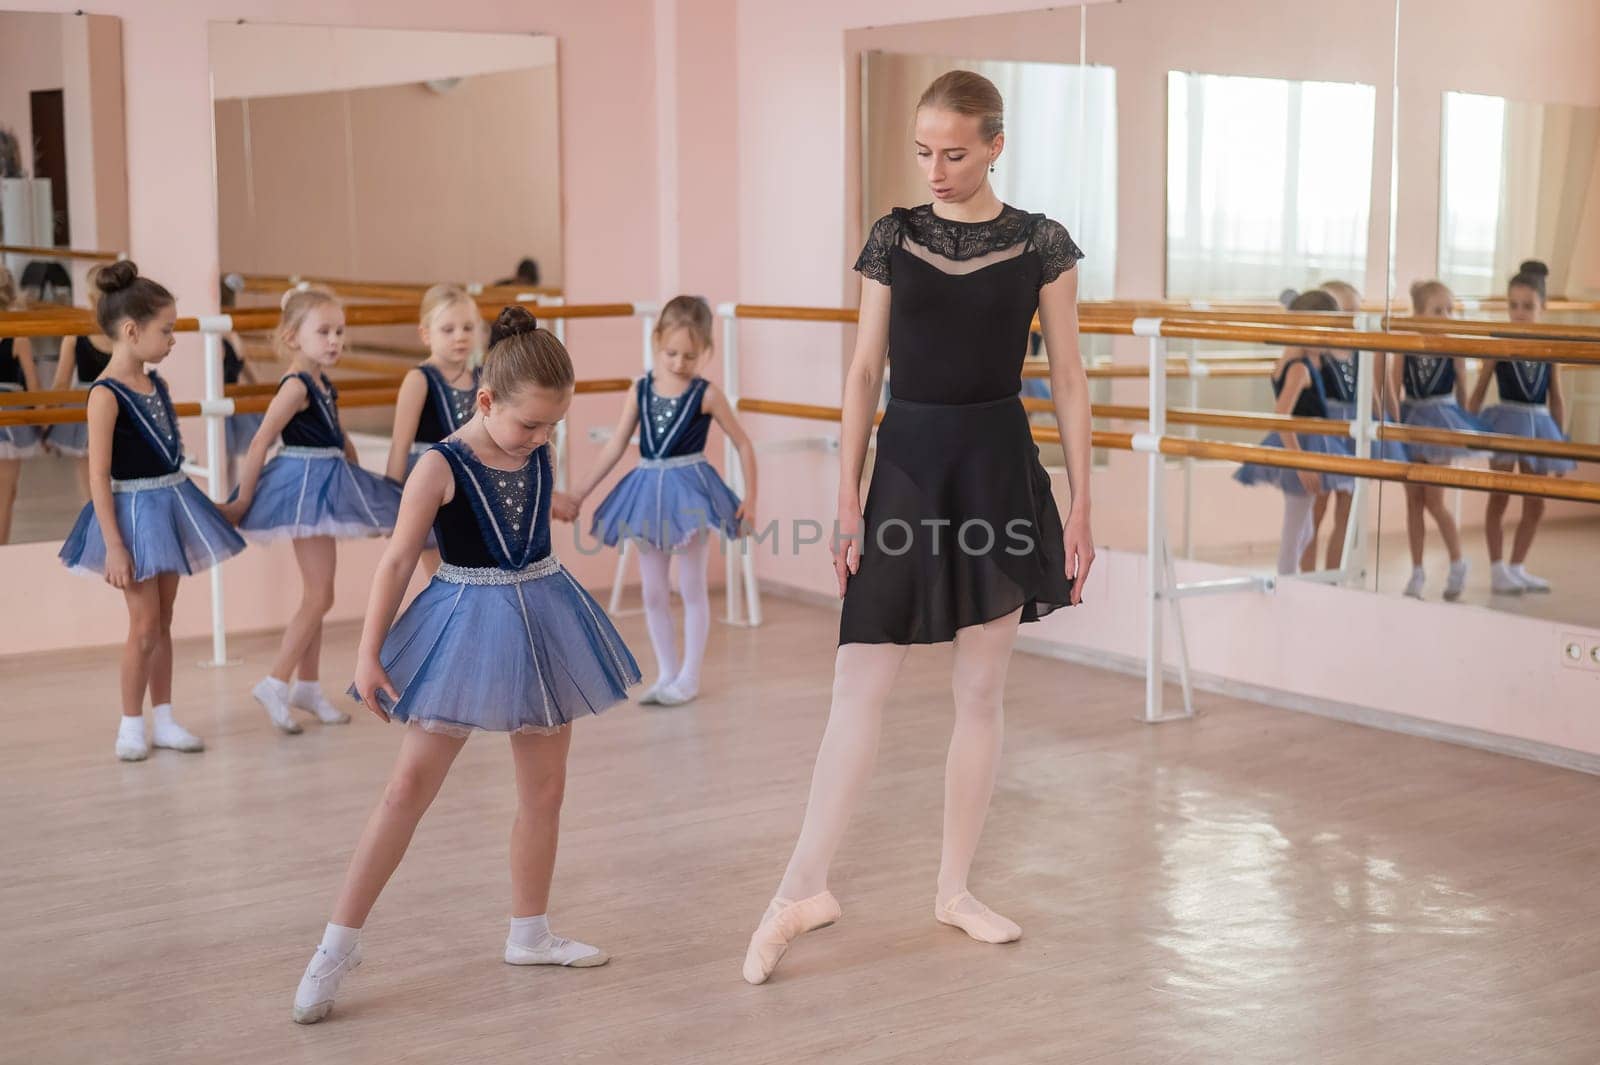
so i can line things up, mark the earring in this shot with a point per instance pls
(991, 168)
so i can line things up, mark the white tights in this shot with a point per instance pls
(863, 676)
(654, 579)
(1297, 531)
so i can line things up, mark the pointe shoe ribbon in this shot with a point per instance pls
(983, 924)
(785, 922)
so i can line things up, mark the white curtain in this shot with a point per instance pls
(1269, 184)
(1061, 146)
(1516, 183)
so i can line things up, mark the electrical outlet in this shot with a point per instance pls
(1581, 651)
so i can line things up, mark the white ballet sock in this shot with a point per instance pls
(532, 943)
(1503, 579)
(656, 588)
(1297, 532)
(132, 746)
(307, 695)
(339, 940)
(1456, 580)
(530, 932)
(273, 695)
(692, 561)
(1529, 581)
(166, 732)
(1414, 585)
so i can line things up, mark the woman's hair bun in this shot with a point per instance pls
(1534, 267)
(114, 277)
(513, 321)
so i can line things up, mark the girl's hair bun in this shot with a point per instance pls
(513, 321)
(114, 277)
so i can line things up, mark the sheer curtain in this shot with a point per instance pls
(1269, 184)
(1518, 182)
(1061, 146)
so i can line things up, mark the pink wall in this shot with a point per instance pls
(266, 59)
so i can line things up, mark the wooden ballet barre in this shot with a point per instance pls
(62, 253)
(796, 314)
(276, 284)
(14, 324)
(360, 393)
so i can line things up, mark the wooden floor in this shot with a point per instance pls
(1253, 886)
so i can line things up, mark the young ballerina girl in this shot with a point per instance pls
(948, 291)
(82, 360)
(312, 492)
(502, 640)
(146, 524)
(1297, 382)
(673, 500)
(17, 442)
(438, 396)
(1435, 387)
(1533, 404)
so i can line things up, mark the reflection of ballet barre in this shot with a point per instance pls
(1378, 323)
(1171, 308)
(1472, 441)
(1377, 469)
(63, 253)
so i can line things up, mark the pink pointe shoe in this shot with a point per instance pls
(976, 920)
(785, 922)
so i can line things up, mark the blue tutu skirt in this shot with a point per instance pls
(1531, 420)
(504, 651)
(167, 524)
(305, 492)
(665, 502)
(1438, 413)
(71, 438)
(241, 429)
(18, 441)
(1253, 473)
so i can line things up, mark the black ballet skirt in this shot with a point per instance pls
(960, 525)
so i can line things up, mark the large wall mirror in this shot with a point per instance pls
(1499, 159)
(63, 184)
(386, 156)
